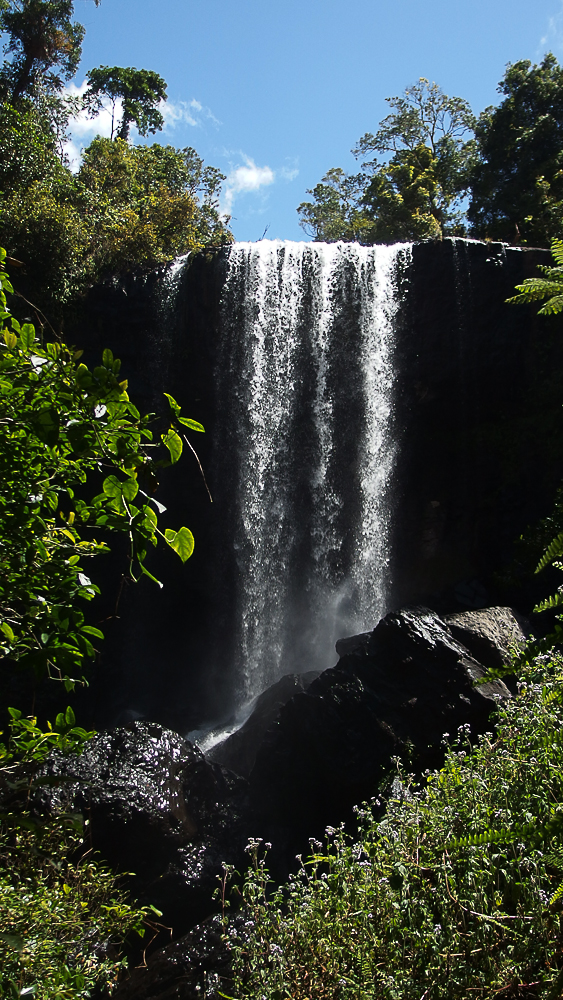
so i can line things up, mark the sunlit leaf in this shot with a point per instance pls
(192, 424)
(173, 442)
(182, 541)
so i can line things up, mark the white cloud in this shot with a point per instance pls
(290, 173)
(553, 38)
(244, 178)
(190, 112)
(83, 128)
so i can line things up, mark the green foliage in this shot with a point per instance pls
(146, 204)
(27, 149)
(130, 208)
(456, 893)
(418, 193)
(28, 743)
(140, 92)
(431, 138)
(549, 287)
(402, 197)
(336, 212)
(45, 45)
(63, 918)
(517, 183)
(77, 461)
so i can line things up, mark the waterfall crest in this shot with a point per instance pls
(305, 381)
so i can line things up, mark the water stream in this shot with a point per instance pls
(305, 382)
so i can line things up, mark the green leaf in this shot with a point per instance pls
(182, 541)
(192, 424)
(107, 358)
(7, 631)
(70, 717)
(173, 442)
(14, 941)
(93, 631)
(112, 486)
(27, 335)
(130, 488)
(173, 404)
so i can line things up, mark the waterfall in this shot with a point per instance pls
(305, 382)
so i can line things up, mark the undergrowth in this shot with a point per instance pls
(457, 893)
(63, 916)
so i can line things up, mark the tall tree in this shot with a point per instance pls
(44, 43)
(418, 193)
(517, 184)
(138, 92)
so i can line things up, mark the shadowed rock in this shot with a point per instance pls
(196, 967)
(238, 751)
(156, 808)
(398, 692)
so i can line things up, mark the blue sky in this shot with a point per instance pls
(274, 92)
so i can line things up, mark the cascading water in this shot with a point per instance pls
(305, 380)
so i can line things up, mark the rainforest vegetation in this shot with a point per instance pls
(457, 889)
(434, 169)
(128, 206)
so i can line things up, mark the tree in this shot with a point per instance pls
(76, 458)
(418, 192)
(336, 212)
(45, 45)
(147, 204)
(140, 91)
(517, 183)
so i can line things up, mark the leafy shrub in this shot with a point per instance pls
(74, 455)
(63, 916)
(456, 893)
(62, 920)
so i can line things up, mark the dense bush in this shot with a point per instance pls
(456, 893)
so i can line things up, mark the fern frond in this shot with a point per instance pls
(550, 697)
(534, 289)
(553, 273)
(557, 250)
(507, 835)
(504, 836)
(555, 601)
(553, 306)
(554, 549)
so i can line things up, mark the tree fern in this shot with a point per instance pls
(549, 287)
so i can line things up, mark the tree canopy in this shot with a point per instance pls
(128, 207)
(517, 181)
(139, 91)
(44, 43)
(418, 192)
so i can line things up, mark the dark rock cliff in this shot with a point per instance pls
(478, 416)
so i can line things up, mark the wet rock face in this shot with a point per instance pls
(492, 635)
(156, 808)
(238, 752)
(400, 689)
